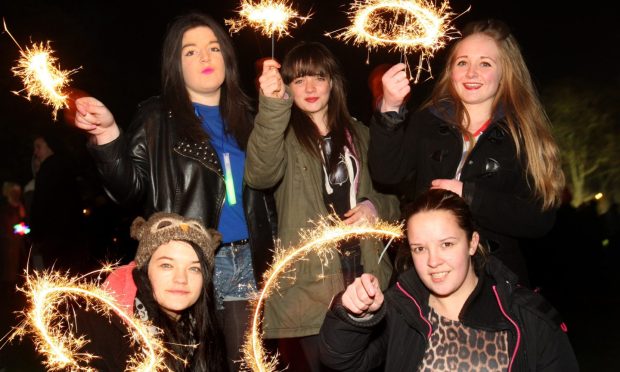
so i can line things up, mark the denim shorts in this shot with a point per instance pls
(234, 275)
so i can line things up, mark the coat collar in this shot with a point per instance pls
(445, 110)
(481, 309)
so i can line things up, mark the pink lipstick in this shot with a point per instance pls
(208, 70)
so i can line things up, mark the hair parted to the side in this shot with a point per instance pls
(235, 105)
(314, 59)
(196, 325)
(440, 200)
(526, 118)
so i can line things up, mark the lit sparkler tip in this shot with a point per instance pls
(271, 17)
(404, 26)
(52, 328)
(37, 67)
(322, 240)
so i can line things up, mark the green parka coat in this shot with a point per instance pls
(275, 158)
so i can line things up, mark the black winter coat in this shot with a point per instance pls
(397, 335)
(155, 167)
(495, 184)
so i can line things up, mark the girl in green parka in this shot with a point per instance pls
(307, 145)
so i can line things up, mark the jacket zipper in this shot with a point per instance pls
(501, 307)
(430, 326)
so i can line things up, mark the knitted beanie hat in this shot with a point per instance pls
(163, 227)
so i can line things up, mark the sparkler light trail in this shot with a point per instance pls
(405, 26)
(321, 240)
(270, 17)
(51, 327)
(37, 67)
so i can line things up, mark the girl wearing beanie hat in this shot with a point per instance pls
(170, 284)
(184, 152)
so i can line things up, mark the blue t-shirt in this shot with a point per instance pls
(232, 222)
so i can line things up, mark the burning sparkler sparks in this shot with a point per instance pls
(51, 328)
(37, 67)
(321, 240)
(270, 17)
(405, 26)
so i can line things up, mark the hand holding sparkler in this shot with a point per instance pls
(270, 81)
(363, 296)
(95, 118)
(395, 87)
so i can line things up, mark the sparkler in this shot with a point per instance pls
(51, 330)
(37, 67)
(321, 240)
(267, 16)
(405, 26)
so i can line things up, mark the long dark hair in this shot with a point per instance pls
(197, 324)
(440, 200)
(314, 59)
(235, 105)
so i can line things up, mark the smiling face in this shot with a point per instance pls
(476, 71)
(203, 67)
(176, 277)
(442, 253)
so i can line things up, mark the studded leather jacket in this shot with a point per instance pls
(150, 166)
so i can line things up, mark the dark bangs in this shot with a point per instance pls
(305, 62)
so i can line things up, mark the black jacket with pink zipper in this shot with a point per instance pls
(395, 338)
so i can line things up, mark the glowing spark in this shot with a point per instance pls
(51, 328)
(405, 26)
(37, 67)
(268, 16)
(322, 240)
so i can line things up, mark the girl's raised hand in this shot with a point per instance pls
(363, 296)
(395, 88)
(270, 80)
(93, 117)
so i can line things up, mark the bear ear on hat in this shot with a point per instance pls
(137, 228)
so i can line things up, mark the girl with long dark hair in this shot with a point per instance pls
(185, 153)
(307, 145)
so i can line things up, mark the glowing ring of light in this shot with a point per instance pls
(45, 293)
(254, 354)
(430, 22)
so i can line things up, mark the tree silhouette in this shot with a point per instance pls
(585, 118)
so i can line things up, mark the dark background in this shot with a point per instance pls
(116, 46)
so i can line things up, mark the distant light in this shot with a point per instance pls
(598, 196)
(86, 211)
(21, 229)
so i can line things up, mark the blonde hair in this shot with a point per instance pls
(526, 119)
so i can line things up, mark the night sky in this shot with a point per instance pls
(117, 45)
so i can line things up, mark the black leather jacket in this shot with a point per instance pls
(155, 168)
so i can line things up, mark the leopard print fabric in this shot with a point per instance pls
(455, 347)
